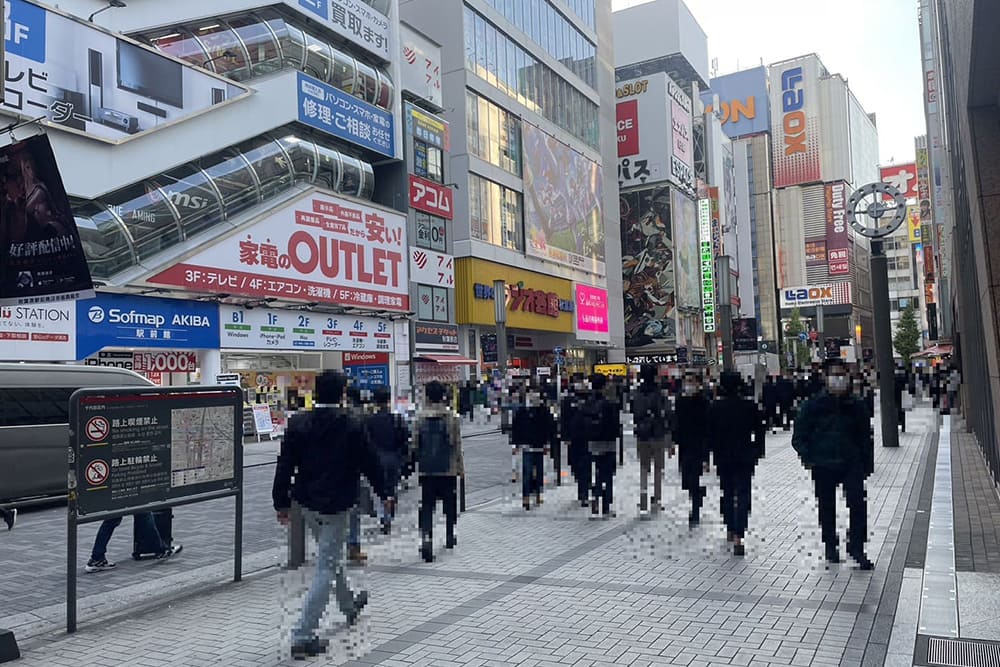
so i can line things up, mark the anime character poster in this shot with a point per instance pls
(648, 271)
(41, 255)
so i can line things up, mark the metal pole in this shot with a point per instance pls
(71, 564)
(238, 535)
(500, 316)
(883, 344)
(820, 340)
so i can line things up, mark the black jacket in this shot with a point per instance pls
(785, 388)
(735, 435)
(835, 433)
(769, 394)
(533, 427)
(388, 434)
(691, 428)
(327, 450)
(569, 425)
(606, 415)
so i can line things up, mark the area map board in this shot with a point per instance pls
(139, 447)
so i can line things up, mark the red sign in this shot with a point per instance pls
(431, 197)
(903, 177)
(160, 362)
(628, 127)
(98, 429)
(837, 240)
(365, 358)
(320, 249)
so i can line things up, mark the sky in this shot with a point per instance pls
(874, 44)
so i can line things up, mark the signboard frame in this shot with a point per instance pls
(223, 396)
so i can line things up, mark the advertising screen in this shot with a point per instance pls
(86, 80)
(563, 219)
(592, 313)
(648, 270)
(795, 127)
(744, 105)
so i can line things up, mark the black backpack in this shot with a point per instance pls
(435, 446)
(592, 418)
(650, 416)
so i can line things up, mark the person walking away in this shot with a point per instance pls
(690, 431)
(785, 389)
(388, 434)
(600, 419)
(146, 533)
(954, 384)
(651, 410)
(323, 456)
(437, 439)
(769, 399)
(533, 431)
(570, 431)
(899, 386)
(834, 439)
(736, 435)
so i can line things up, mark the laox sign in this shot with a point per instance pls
(834, 294)
(794, 119)
(809, 294)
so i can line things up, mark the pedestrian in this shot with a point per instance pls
(899, 387)
(599, 419)
(389, 435)
(786, 399)
(355, 555)
(9, 517)
(324, 453)
(736, 435)
(651, 410)
(146, 535)
(769, 398)
(575, 437)
(533, 431)
(437, 440)
(834, 439)
(690, 431)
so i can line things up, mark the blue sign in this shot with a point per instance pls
(345, 116)
(24, 32)
(744, 105)
(368, 377)
(803, 336)
(319, 7)
(123, 320)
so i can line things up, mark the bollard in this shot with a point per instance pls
(296, 537)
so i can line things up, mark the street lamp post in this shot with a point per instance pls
(500, 315)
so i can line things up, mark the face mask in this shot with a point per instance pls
(837, 384)
(690, 389)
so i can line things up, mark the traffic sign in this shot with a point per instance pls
(803, 336)
(97, 472)
(97, 429)
(813, 335)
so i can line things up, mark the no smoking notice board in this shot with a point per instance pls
(136, 447)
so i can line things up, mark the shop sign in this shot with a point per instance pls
(124, 320)
(354, 20)
(837, 239)
(913, 222)
(420, 66)
(147, 362)
(815, 252)
(368, 370)
(835, 294)
(655, 359)
(428, 127)
(431, 197)
(707, 264)
(262, 329)
(592, 313)
(345, 116)
(320, 249)
(794, 124)
(432, 233)
(50, 73)
(431, 337)
(523, 342)
(429, 267)
(616, 370)
(903, 177)
(528, 300)
(44, 332)
(535, 302)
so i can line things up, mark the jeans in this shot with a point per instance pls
(604, 480)
(532, 472)
(145, 532)
(735, 486)
(432, 489)
(329, 531)
(827, 482)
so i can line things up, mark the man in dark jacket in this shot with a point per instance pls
(388, 433)
(769, 398)
(326, 450)
(599, 419)
(690, 424)
(785, 389)
(570, 431)
(833, 437)
(651, 410)
(533, 431)
(736, 439)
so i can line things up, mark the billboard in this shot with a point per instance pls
(830, 294)
(435, 337)
(903, 177)
(795, 130)
(354, 20)
(420, 66)
(744, 104)
(924, 188)
(321, 249)
(682, 136)
(265, 329)
(745, 334)
(83, 79)
(41, 332)
(644, 134)
(428, 267)
(815, 252)
(427, 127)
(431, 197)
(41, 254)
(345, 116)
(592, 313)
(913, 223)
(837, 240)
(648, 270)
(685, 219)
(707, 257)
(563, 220)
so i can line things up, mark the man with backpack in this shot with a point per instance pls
(651, 410)
(437, 439)
(690, 430)
(736, 434)
(323, 455)
(388, 433)
(599, 419)
(533, 430)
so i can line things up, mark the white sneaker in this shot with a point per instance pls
(98, 565)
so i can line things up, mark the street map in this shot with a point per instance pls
(201, 445)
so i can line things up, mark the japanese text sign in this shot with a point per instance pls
(265, 329)
(345, 116)
(432, 268)
(354, 20)
(837, 239)
(41, 332)
(592, 313)
(431, 197)
(420, 66)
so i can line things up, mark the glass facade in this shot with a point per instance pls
(551, 31)
(494, 133)
(496, 59)
(495, 214)
(428, 161)
(584, 9)
(134, 223)
(253, 44)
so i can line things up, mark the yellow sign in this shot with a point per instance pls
(620, 370)
(534, 301)
(913, 222)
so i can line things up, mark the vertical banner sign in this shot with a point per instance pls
(707, 264)
(837, 241)
(681, 131)
(592, 313)
(41, 254)
(648, 271)
(913, 223)
(420, 66)
(643, 123)
(794, 124)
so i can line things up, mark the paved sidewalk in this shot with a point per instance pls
(551, 587)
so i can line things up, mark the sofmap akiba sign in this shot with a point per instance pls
(82, 79)
(354, 20)
(321, 248)
(431, 197)
(795, 126)
(345, 116)
(836, 294)
(264, 329)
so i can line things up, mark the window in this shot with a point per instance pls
(432, 232)
(428, 161)
(34, 406)
(432, 303)
(494, 133)
(495, 213)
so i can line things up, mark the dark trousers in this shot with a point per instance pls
(432, 489)
(771, 415)
(691, 482)
(532, 472)
(787, 415)
(735, 486)
(604, 479)
(145, 532)
(579, 461)
(826, 482)
(556, 453)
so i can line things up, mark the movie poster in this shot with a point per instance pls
(41, 255)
